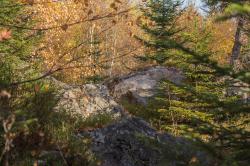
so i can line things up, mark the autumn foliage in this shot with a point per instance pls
(89, 41)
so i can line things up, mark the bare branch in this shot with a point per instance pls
(94, 18)
(60, 68)
(31, 4)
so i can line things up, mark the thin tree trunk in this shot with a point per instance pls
(237, 44)
(91, 49)
(114, 53)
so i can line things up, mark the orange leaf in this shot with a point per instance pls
(37, 88)
(5, 94)
(5, 34)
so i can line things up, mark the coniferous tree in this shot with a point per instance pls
(233, 9)
(16, 52)
(28, 124)
(16, 65)
(160, 26)
(199, 108)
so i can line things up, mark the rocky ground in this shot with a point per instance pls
(129, 140)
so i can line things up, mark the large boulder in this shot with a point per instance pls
(133, 142)
(86, 100)
(128, 141)
(90, 99)
(142, 85)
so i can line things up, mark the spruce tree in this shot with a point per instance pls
(18, 102)
(28, 124)
(199, 108)
(160, 28)
(17, 60)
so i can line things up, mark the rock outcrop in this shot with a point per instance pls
(142, 85)
(132, 142)
(129, 141)
(91, 99)
(86, 100)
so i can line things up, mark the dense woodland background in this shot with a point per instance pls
(88, 41)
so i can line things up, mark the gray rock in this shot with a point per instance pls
(132, 142)
(239, 88)
(93, 99)
(86, 100)
(142, 85)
